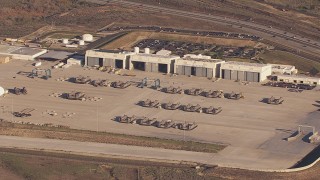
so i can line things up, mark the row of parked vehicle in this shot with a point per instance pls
(145, 121)
(175, 106)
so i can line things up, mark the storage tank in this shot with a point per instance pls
(147, 50)
(136, 50)
(81, 42)
(87, 37)
(65, 41)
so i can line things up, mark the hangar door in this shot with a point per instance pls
(256, 77)
(187, 70)
(151, 67)
(201, 72)
(209, 73)
(233, 75)
(92, 61)
(180, 70)
(226, 74)
(241, 76)
(154, 67)
(109, 62)
(250, 76)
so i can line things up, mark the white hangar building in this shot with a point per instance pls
(117, 59)
(153, 62)
(198, 67)
(252, 72)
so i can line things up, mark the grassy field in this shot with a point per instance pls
(298, 16)
(132, 38)
(34, 131)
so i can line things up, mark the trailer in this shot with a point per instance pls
(101, 83)
(149, 103)
(193, 91)
(120, 84)
(24, 113)
(186, 126)
(172, 90)
(76, 96)
(214, 94)
(235, 96)
(146, 121)
(192, 108)
(82, 80)
(275, 101)
(19, 91)
(126, 119)
(171, 106)
(212, 110)
(165, 124)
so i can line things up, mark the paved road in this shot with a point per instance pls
(104, 149)
(301, 44)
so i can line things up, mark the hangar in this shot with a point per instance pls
(152, 62)
(117, 59)
(198, 67)
(252, 72)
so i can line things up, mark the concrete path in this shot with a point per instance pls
(104, 149)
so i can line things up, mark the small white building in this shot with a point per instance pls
(298, 79)
(252, 72)
(117, 59)
(21, 53)
(283, 69)
(198, 67)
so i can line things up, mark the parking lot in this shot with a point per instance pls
(182, 48)
(185, 31)
(253, 130)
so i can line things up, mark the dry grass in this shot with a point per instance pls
(281, 57)
(43, 165)
(132, 38)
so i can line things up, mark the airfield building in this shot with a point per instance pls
(298, 79)
(21, 53)
(153, 62)
(283, 69)
(117, 59)
(242, 71)
(198, 67)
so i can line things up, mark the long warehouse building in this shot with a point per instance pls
(251, 72)
(21, 53)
